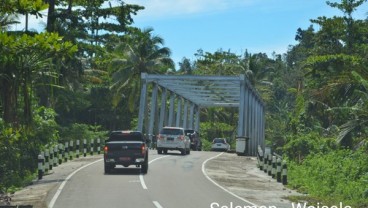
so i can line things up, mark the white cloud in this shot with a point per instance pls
(170, 8)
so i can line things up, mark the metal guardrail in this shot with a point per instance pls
(272, 164)
(54, 155)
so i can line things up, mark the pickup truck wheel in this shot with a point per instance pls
(183, 152)
(165, 151)
(107, 169)
(188, 152)
(159, 151)
(144, 167)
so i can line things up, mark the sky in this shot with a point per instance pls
(264, 26)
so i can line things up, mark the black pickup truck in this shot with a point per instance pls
(126, 148)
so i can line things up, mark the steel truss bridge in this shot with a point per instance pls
(182, 97)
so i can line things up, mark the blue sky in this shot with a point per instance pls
(235, 25)
(239, 25)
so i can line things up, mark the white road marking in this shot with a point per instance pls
(157, 205)
(141, 175)
(218, 185)
(142, 182)
(58, 192)
(157, 159)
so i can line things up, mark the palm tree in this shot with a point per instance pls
(140, 52)
(358, 112)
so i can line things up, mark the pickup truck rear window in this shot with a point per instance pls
(172, 131)
(125, 137)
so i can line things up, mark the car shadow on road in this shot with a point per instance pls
(125, 171)
(174, 154)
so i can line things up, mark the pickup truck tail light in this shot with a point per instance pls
(143, 148)
(106, 149)
(181, 137)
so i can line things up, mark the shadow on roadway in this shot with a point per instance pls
(173, 154)
(125, 171)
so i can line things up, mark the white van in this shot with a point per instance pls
(173, 138)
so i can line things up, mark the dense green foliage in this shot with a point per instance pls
(81, 78)
(334, 176)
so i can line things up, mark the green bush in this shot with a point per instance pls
(300, 146)
(80, 132)
(206, 145)
(335, 176)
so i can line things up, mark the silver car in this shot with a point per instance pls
(220, 144)
(173, 138)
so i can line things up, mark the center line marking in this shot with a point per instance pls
(141, 175)
(157, 205)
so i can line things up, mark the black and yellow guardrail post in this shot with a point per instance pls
(278, 170)
(260, 157)
(40, 166)
(71, 149)
(265, 163)
(47, 154)
(84, 147)
(273, 165)
(60, 154)
(77, 149)
(91, 148)
(284, 173)
(55, 155)
(51, 158)
(269, 169)
(273, 171)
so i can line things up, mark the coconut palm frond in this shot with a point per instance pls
(346, 128)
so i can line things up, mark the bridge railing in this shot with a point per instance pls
(55, 154)
(272, 164)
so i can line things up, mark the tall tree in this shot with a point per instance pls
(328, 57)
(140, 51)
(24, 59)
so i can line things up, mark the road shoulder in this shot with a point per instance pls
(241, 176)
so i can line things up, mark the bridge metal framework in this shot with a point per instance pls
(182, 97)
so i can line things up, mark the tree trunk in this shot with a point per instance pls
(9, 98)
(70, 5)
(27, 103)
(51, 16)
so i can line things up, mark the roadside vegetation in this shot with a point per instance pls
(80, 77)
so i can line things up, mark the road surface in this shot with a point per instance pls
(201, 179)
(173, 180)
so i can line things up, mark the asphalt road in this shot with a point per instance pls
(199, 180)
(172, 180)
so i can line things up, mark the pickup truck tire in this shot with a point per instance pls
(165, 151)
(159, 151)
(183, 152)
(144, 166)
(188, 152)
(107, 169)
